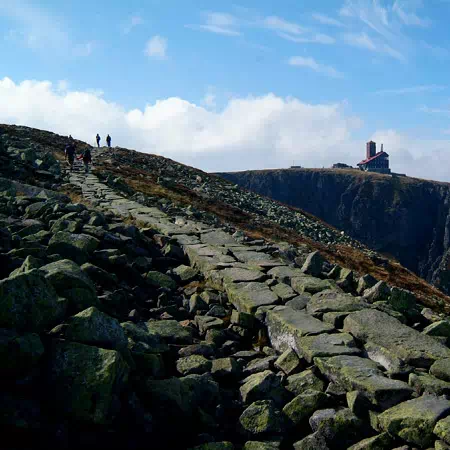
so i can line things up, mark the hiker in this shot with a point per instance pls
(70, 154)
(97, 138)
(87, 159)
(108, 140)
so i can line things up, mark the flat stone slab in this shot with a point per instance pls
(248, 297)
(325, 345)
(285, 273)
(237, 275)
(217, 237)
(415, 419)
(256, 258)
(285, 326)
(414, 348)
(184, 239)
(155, 212)
(353, 373)
(312, 285)
(332, 301)
(284, 291)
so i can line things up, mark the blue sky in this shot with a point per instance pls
(228, 86)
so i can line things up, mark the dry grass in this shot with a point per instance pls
(75, 197)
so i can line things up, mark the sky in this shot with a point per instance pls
(226, 86)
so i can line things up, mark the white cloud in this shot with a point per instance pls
(312, 64)
(326, 20)
(251, 132)
(381, 20)
(361, 40)
(278, 24)
(41, 31)
(428, 110)
(132, 22)
(411, 90)
(156, 47)
(210, 98)
(409, 17)
(421, 158)
(35, 28)
(63, 85)
(219, 23)
(248, 133)
(317, 38)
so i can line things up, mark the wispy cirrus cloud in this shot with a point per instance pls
(411, 90)
(361, 40)
(428, 110)
(410, 17)
(230, 25)
(311, 63)
(34, 27)
(219, 23)
(317, 38)
(326, 20)
(283, 26)
(39, 30)
(132, 23)
(364, 41)
(294, 32)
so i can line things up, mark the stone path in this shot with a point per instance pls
(323, 322)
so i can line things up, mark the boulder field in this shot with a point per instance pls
(127, 324)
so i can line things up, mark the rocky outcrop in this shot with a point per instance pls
(403, 217)
(174, 331)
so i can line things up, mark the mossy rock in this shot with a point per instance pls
(170, 331)
(262, 418)
(303, 406)
(28, 302)
(301, 382)
(72, 283)
(84, 380)
(415, 419)
(92, 327)
(75, 247)
(158, 280)
(193, 364)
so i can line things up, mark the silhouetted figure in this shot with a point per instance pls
(70, 154)
(87, 159)
(108, 140)
(97, 138)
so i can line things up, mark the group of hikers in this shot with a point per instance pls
(70, 152)
(108, 140)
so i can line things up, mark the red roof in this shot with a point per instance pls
(365, 161)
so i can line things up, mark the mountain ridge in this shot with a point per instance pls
(406, 218)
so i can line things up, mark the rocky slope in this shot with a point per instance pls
(132, 320)
(405, 218)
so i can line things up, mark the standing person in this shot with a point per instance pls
(87, 159)
(97, 138)
(108, 140)
(70, 154)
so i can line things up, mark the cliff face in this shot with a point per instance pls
(405, 218)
